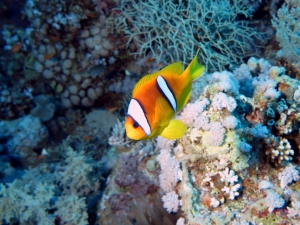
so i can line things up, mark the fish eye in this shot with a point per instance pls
(135, 124)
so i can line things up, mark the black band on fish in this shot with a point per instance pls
(167, 92)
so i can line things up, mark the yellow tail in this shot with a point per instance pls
(195, 68)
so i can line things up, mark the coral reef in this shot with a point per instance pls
(67, 69)
(228, 133)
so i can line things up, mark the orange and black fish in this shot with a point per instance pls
(157, 97)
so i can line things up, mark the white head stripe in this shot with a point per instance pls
(167, 92)
(137, 113)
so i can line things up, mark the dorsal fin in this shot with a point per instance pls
(144, 81)
(174, 68)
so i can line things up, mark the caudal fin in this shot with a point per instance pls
(195, 68)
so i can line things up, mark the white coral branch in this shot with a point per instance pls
(288, 175)
(229, 178)
(294, 210)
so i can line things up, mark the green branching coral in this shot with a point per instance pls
(170, 31)
(43, 194)
(287, 30)
(20, 202)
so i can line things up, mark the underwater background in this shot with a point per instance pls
(66, 76)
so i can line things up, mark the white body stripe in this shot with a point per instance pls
(164, 87)
(137, 113)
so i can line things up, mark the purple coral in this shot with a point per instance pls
(230, 122)
(217, 132)
(170, 170)
(192, 110)
(226, 82)
(274, 200)
(171, 201)
(127, 171)
(202, 122)
(130, 176)
(288, 175)
(221, 101)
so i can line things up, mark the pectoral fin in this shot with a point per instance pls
(163, 112)
(174, 130)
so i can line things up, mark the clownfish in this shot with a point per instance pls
(157, 97)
